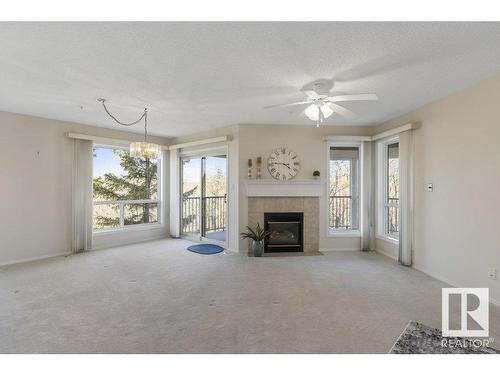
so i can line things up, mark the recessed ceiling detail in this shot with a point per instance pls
(198, 76)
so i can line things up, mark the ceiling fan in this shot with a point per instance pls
(322, 105)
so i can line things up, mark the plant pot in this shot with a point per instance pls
(258, 248)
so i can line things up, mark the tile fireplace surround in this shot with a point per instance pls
(308, 205)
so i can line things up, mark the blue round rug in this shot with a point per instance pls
(206, 249)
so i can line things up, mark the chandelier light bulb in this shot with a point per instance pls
(145, 150)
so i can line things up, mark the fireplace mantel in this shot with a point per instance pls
(291, 188)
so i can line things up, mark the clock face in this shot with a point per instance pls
(283, 164)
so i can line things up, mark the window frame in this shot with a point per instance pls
(345, 232)
(121, 203)
(383, 205)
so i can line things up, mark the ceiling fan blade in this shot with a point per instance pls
(352, 97)
(311, 94)
(341, 110)
(288, 104)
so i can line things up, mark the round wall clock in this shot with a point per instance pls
(283, 164)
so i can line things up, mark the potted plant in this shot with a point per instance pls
(316, 175)
(258, 235)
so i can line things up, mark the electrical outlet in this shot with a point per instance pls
(492, 273)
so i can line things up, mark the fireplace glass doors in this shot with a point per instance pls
(286, 232)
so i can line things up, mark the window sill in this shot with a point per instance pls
(132, 228)
(354, 233)
(388, 239)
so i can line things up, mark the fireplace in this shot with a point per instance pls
(286, 232)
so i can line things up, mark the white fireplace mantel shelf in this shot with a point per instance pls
(291, 188)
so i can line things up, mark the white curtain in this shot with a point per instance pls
(174, 193)
(82, 195)
(406, 155)
(367, 197)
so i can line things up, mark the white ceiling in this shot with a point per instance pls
(197, 76)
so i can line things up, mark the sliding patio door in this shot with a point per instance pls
(214, 197)
(204, 197)
(191, 196)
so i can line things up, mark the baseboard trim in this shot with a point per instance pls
(26, 260)
(341, 249)
(154, 238)
(442, 279)
(452, 283)
(387, 254)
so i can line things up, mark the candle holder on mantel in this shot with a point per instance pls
(249, 169)
(259, 165)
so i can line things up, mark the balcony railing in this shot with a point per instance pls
(119, 214)
(215, 214)
(393, 216)
(340, 212)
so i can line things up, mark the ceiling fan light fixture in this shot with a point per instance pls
(321, 104)
(312, 112)
(327, 111)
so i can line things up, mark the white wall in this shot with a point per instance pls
(457, 227)
(35, 186)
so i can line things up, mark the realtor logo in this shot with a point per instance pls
(474, 312)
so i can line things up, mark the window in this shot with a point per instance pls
(125, 189)
(391, 199)
(344, 171)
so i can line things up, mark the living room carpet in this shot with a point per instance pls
(157, 297)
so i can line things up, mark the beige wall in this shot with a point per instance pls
(250, 141)
(457, 227)
(36, 173)
(457, 235)
(307, 142)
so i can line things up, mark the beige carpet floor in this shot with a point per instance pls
(156, 297)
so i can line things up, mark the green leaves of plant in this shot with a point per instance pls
(257, 234)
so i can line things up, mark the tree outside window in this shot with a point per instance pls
(125, 189)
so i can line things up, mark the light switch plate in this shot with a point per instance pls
(430, 187)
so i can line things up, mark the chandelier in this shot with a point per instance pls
(143, 149)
